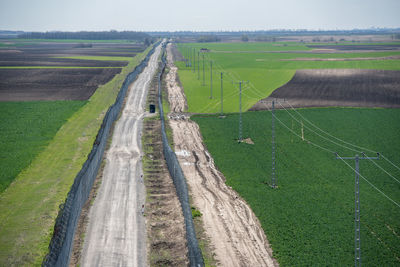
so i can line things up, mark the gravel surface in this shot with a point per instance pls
(116, 233)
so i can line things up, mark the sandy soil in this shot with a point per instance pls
(116, 233)
(338, 87)
(176, 97)
(232, 227)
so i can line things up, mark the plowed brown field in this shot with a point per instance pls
(338, 87)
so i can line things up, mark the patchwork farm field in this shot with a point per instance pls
(309, 218)
(51, 140)
(44, 70)
(268, 66)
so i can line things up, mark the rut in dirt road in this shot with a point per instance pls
(234, 231)
(116, 234)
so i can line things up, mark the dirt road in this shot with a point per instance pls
(176, 96)
(232, 227)
(116, 233)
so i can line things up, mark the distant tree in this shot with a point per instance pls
(245, 38)
(84, 35)
(208, 38)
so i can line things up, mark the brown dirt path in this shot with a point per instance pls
(232, 227)
(176, 97)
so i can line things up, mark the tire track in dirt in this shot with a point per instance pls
(232, 227)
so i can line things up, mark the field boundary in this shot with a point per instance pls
(64, 229)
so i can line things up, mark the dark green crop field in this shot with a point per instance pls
(26, 128)
(309, 218)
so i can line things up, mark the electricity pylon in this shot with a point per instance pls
(357, 223)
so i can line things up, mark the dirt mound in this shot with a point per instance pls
(338, 87)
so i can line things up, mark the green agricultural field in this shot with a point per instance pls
(266, 66)
(309, 218)
(26, 128)
(29, 206)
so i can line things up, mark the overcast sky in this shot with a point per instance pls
(201, 15)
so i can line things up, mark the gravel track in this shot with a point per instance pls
(116, 233)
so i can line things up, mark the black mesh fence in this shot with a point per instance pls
(195, 256)
(61, 243)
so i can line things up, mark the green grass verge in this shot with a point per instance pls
(29, 206)
(26, 129)
(265, 71)
(309, 219)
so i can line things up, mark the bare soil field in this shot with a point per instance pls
(352, 47)
(338, 87)
(43, 54)
(341, 59)
(52, 84)
(58, 83)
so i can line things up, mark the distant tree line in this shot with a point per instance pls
(87, 35)
(208, 38)
(396, 36)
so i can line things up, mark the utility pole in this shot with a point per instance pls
(185, 49)
(204, 81)
(273, 145)
(357, 223)
(240, 111)
(194, 60)
(222, 96)
(198, 65)
(211, 95)
(189, 57)
(273, 159)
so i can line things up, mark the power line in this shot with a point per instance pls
(373, 186)
(222, 95)
(349, 148)
(316, 145)
(240, 111)
(211, 83)
(357, 223)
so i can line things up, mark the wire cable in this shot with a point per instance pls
(372, 185)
